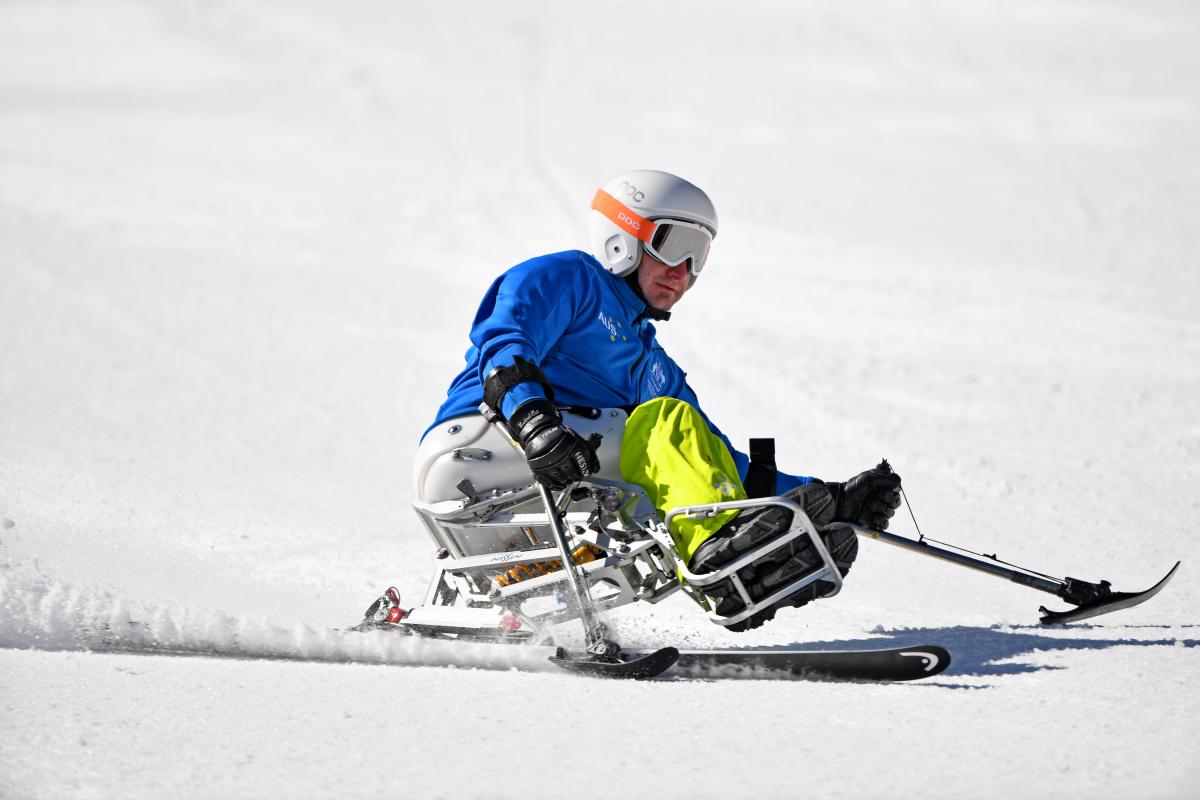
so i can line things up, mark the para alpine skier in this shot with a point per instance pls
(564, 339)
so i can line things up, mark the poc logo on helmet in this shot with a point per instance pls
(631, 191)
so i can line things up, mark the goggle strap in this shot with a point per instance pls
(623, 216)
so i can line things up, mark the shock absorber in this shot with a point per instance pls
(523, 572)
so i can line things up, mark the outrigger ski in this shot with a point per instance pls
(1091, 599)
(1098, 598)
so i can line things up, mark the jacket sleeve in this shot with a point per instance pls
(783, 480)
(525, 311)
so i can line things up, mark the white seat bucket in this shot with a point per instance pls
(469, 447)
(467, 461)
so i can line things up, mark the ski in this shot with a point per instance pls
(1105, 602)
(895, 664)
(641, 667)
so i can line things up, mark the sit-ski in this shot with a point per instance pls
(499, 575)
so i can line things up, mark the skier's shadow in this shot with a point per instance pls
(979, 651)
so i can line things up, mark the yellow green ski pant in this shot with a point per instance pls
(669, 450)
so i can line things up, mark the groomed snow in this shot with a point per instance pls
(240, 248)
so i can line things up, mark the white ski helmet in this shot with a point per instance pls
(658, 211)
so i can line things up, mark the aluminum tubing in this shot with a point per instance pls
(586, 613)
(991, 568)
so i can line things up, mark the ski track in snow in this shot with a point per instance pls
(49, 616)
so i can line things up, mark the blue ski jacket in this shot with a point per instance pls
(589, 332)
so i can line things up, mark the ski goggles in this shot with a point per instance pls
(671, 241)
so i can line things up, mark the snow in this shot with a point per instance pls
(240, 247)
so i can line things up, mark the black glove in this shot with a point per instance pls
(869, 498)
(557, 455)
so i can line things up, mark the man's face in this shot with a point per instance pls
(662, 286)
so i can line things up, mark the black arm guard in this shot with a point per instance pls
(501, 379)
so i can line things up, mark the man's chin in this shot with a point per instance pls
(663, 302)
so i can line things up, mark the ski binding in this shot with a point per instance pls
(1094, 599)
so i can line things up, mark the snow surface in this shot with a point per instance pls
(240, 246)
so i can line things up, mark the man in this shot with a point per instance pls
(572, 330)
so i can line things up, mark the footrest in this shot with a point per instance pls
(801, 526)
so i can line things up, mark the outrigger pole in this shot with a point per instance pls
(594, 631)
(1091, 599)
(603, 655)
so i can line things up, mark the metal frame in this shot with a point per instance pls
(638, 562)
(801, 526)
(621, 522)
(633, 565)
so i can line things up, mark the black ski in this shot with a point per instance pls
(641, 667)
(1108, 601)
(895, 664)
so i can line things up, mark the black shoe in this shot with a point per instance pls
(754, 527)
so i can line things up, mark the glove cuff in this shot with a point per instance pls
(532, 417)
(837, 489)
